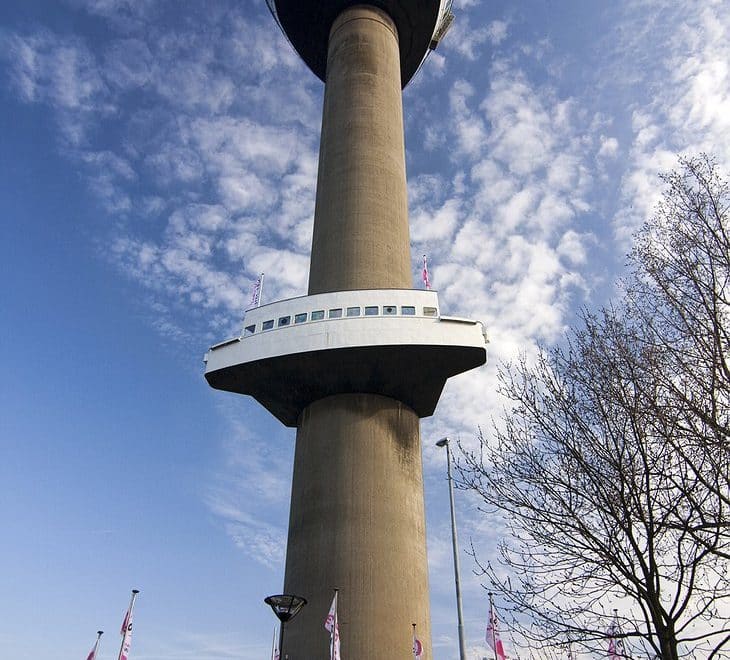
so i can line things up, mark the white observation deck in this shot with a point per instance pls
(391, 342)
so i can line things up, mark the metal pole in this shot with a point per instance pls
(493, 621)
(444, 442)
(258, 304)
(99, 633)
(281, 641)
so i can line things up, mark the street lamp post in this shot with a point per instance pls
(286, 607)
(444, 442)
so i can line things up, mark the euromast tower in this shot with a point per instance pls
(355, 363)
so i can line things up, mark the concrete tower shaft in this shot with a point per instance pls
(360, 236)
(357, 523)
(357, 513)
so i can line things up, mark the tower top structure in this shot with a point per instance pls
(307, 24)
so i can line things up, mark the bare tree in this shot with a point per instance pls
(610, 467)
(680, 294)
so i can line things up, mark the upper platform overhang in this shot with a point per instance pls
(285, 385)
(307, 25)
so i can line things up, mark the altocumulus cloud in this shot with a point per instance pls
(200, 140)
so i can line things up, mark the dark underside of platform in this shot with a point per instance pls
(307, 24)
(285, 385)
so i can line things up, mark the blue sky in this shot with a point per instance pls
(156, 156)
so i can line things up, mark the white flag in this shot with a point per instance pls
(126, 631)
(332, 625)
(274, 646)
(492, 634)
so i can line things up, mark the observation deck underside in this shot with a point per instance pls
(285, 385)
(307, 24)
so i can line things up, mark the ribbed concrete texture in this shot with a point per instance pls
(361, 217)
(357, 523)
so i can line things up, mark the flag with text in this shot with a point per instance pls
(332, 625)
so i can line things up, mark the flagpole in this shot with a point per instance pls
(273, 645)
(281, 641)
(493, 619)
(414, 639)
(444, 442)
(258, 304)
(92, 655)
(126, 620)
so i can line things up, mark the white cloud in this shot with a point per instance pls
(437, 224)
(468, 41)
(59, 71)
(690, 111)
(128, 64)
(497, 32)
(510, 247)
(173, 164)
(251, 485)
(608, 148)
(468, 128)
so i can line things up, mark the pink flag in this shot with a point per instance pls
(332, 625)
(492, 635)
(616, 649)
(426, 281)
(615, 644)
(126, 631)
(417, 648)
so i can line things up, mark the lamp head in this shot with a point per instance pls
(285, 606)
(443, 442)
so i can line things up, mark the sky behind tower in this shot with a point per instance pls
(155, 156)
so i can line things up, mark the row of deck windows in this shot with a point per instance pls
(337, 313)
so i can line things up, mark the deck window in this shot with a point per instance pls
(408, 310)
(267, 325)
(390, 310)
(284, 320)
(353, 311)
(249, 330)
(300, 318)
(336, 313)
(371, 311)
(318, 315)
(429, 311)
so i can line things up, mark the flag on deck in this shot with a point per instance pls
(426, 280)
(492, 634)
(256, 291)
(332, 625)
